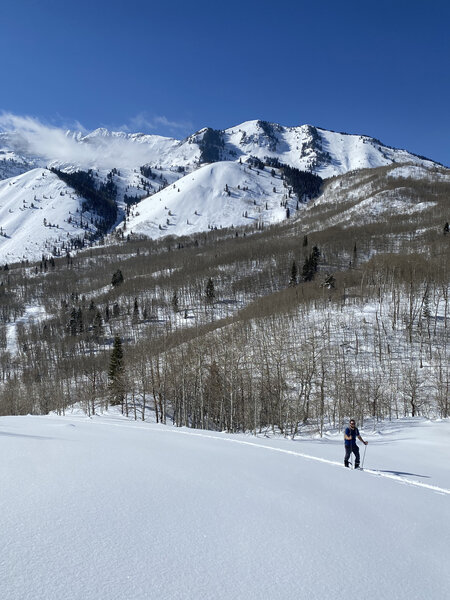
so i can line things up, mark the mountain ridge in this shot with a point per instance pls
(138, 166)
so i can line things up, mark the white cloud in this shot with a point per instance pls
(32, 137)
(183, 125)
(158, 124)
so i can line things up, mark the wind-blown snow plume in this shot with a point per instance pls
(29, 136)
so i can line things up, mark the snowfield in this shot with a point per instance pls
(34, 214)
(223, 194)
(107, 508)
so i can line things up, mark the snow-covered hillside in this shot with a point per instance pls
(140, 166)
(375, 196)
(222, 194)
(108, 509)
(39, 214)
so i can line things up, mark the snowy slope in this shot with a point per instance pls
(218, 195)
(39, 212)
(136, 149)
(326, 153)
(107, 509)
(122, 155)
(362, 197)
(309, 148)
(35, 208)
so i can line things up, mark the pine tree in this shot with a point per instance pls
(307, 273)
(315, 255)
(73, 322)
(311, 265)
(116, 373)
(135, 318)
(80, 325)
(426, 306)
(210, 291)
(294, 275)
(117, 278)
(97, 327)
(355, 255)
(175, 305)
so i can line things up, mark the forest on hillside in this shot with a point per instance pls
(298, 325)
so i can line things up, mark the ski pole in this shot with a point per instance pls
(364, 456)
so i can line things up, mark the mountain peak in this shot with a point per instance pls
(131, 166)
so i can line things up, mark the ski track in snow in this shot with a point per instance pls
(373, 472)
(122, 513)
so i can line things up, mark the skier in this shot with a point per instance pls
(350, 435)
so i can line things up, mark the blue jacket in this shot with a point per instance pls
(354, 433)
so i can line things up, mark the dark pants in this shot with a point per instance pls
(349, 448)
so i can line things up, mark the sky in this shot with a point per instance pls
(170, 68)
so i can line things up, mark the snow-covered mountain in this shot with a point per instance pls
(203, 181)
(326, 153)
(307, 148)
(222, 194)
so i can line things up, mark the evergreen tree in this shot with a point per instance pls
(210, 292)
(175, 305)
(97, 327)
(117, 278)
(315, 255)
(80, 326)
(91, 311)
(426, 306)
(294, 275)
(116, 383)
(73, 322)
(355, 255)
(311, 265)
(135, 318)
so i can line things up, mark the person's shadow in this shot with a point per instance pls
(400, 473)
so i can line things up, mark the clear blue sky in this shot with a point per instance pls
(170, 67)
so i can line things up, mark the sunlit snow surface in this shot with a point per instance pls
(106, 508)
